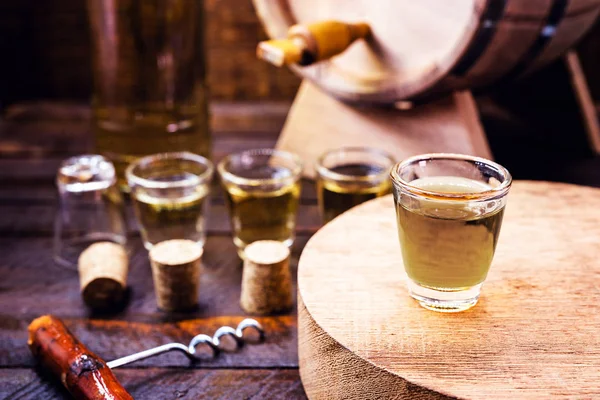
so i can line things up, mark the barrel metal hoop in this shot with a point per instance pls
(494, 10)
(548, 30)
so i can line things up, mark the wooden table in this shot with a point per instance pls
(33, 140)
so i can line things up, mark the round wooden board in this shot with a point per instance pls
(535, 332)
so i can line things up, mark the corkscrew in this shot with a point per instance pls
(214, 343)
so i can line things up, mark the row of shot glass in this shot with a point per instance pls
(449, 207)
(170, 195)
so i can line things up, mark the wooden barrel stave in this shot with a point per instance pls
(516, 38)
(276, 17)
(518, 47)
(510, 43)
(538, 9)
(561, 41)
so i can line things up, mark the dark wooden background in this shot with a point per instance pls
(45, 82)
(44, 53)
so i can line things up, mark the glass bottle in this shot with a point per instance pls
(150, 93)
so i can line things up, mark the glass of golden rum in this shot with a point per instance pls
(262, 190)
(449, 209)
(170, 196)
(349, 176)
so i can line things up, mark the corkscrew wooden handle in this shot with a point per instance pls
(83, 373)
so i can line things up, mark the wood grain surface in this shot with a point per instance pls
(448, 125)
(165, 383)
(533, 334)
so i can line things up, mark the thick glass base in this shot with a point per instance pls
(444, 300)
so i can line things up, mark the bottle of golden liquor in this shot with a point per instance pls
(150, 93)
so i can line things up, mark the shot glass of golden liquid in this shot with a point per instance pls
(170, 196)
(449, 209)
(347, 177)
(262, 189)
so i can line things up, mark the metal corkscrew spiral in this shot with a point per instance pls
(214, 343)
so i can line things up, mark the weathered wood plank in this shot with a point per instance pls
(227, 117)
(38, 219)
(44, 192)
(167, 383)
(36, 164)
(41, 171)
(265, 117)
(112, 339)
(44, 129)
(32, 284)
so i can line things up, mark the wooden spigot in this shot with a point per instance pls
(307, 44)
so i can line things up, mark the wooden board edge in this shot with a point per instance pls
(330, 371)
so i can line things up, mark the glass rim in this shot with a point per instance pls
(327, 173)
(110, 180)
(196, 179)
(241, 181)
(497, 191)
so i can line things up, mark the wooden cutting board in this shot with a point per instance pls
(535, 332)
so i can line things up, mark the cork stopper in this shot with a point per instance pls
(266, 279)
(176, 273)
(103, 268)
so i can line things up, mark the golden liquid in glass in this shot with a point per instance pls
(337, 197)
(165, 218)
(263, 215)
(448, 245)
(152, 132)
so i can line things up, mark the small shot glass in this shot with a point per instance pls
(262, 190)
(349, 176)
(91, 208)
(449, 209)
(170, 192)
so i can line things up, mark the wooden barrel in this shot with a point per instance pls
(427, 47)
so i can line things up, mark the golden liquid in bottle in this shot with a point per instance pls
(150, 95)
(151, 133)
(337, 197)
(263, 215)
(448, 245)
(177, 217)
